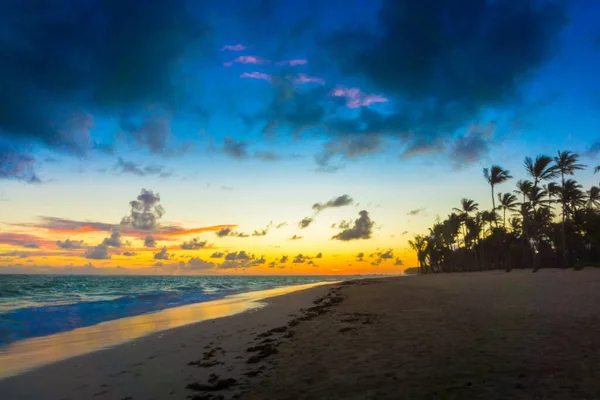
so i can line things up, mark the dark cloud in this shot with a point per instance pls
(362, 228)
(415, 212)
(162, 254)
(235, 149)
(267, 156)
(262, 232)
(296, 237)
(31, 245)
(300, 259)
(129, 253)
(64, 56)
(320, 255)
(382, 256)
(217, 254)
(129, 167)
(443, 64)
(99, 252)
(306, 221)
(398, 262)
(194, 244)
(281, 225)
(230, 232)
(150, 241)
(145, 211)
(341, 201)
(283, 259)
(69, 244)
(236, 256)
(16, 164)
(404, 233)
(340, 149)
(473, 145)
(360, 257)
(196, 263)
(114, 240)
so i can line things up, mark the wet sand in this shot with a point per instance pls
(154, 365)
(456, 336)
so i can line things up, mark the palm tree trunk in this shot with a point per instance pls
(494, 205)
(563, 231)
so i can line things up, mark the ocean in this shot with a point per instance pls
(40, 305)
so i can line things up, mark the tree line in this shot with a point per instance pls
(549, 220)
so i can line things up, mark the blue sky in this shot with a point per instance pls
(247, 112)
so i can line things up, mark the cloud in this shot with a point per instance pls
(223, 232)
(235, 149)
(437, 66)
(57, 51)
(281, 225)
(99, 252)
(415, 212)
(293, 62)
(341, 201)
(303, 78)
(145, 211)
(31, 245)
(196, 263)
(256, 75)
(283, 259)
(398, 262)
(114, 240)
(331, 158)
(162, 254)
(69, 244)
(355, 98)
(236, 256)
(16, 164)
(23, 239)
(362, 229)
(382, 256)
(320, 255)
(150, 241)
(247, 60)
(306, 221)
(234, 47)
(194, 244)
(300, 259)
(129, 253)
(473, 145)
(267, 156)
(296, 237)
(217, 254)
(129, 167)
(360, 257)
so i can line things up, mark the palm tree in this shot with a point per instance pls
(572, 196)
(494, 176)
(467, 206)
(540, 169)
(593, 196)
(566, 163)
(508, 201)
(419, 244)
(552, 190)
(523, 188)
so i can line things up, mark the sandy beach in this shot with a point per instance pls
(489, 335)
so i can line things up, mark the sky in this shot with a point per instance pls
(274, 137)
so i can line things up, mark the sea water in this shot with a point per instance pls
(40, 305)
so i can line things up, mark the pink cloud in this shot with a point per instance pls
(234, 47)
(355, 98)
(294, 62)
(246, 60)
(256, 75)
(303, 78)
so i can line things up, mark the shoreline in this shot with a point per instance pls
(23, 356)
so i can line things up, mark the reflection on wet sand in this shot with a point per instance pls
(31, 353)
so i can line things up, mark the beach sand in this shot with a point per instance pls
(490, 335)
